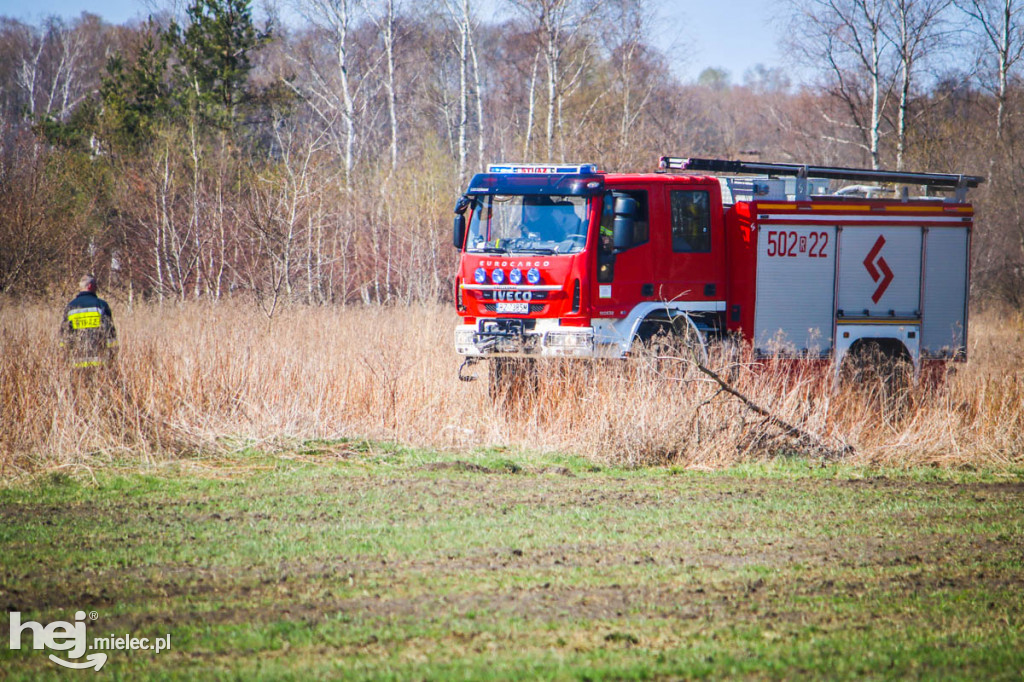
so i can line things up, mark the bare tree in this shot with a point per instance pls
(477, 84)
(462, 49)
(387, 25)
(915, 30)
(467, 27)
(558, 26)
(58, 65)
(29, 68)
(36, 229)
(329, 93)
(628, 25)
(1001, 25)
(65, 93)
(849, 38)
(172, 236)
(531, 106)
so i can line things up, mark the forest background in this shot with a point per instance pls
(205, 154)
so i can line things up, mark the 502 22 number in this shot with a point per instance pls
(790, 244)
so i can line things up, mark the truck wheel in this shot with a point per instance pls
(668, 347)
(511, 378)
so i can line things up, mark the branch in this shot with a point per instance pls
(794, 432)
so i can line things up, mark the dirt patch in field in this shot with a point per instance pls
(506, 468)
(457, 465)
(881, 482)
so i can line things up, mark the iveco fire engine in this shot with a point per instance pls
(569, 261)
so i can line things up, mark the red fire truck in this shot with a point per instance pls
(568, 261)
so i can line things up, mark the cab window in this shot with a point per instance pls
(641, 225)
(691, 221)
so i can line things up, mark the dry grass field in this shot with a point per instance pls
(206, 379)
(318, 497)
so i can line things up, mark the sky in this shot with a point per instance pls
(734, 35)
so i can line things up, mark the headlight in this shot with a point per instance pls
(480, 276)
(497, 276)
(533, 276)
(463, 337)
(569, 339)
(516, 276)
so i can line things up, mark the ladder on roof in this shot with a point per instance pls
(949, 181)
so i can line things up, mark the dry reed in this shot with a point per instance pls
(202, 378)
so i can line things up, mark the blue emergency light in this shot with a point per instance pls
(542, 168)
(581, 179)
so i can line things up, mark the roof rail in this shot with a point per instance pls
(959, 183)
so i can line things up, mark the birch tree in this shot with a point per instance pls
(628, 25)
(28, 73)
(1000, 24)
(559, 26)
(330, 93)
(915, 31)
(57, 67)
(387, 26)
(467, 27)
(849, 39)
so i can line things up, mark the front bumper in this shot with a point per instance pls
(492, 337)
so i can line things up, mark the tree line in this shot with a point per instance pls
(214, 153)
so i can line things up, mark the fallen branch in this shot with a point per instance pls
(794, 432)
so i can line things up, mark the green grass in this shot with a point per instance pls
(369, 561)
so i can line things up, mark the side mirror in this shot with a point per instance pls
(622, 227)
(459, 231)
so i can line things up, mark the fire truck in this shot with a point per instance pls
(567, 261)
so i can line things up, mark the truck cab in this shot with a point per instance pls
(567, 261)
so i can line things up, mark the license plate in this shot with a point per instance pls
(514, 308)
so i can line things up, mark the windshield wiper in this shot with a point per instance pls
(540, 250)
(487, 249)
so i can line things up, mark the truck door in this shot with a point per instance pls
(625, 278)
(690, 245)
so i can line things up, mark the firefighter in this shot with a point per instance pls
(607, 221)
(87, 331)
(565, 221)
(535, 217)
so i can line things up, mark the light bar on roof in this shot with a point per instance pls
(542, 168)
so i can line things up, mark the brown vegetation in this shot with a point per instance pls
(207, 161)
(207, 154)
(198, 378)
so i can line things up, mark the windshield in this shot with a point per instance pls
(528, 224)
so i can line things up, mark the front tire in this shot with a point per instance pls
(669, 346)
